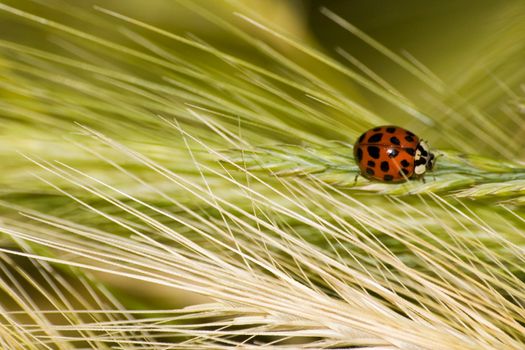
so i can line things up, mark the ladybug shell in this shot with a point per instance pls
(386, 153)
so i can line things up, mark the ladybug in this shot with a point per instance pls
(392, 154)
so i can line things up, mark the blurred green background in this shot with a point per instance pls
(474, 49)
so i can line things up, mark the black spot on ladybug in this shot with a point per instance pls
(392, 152)
(375, 138)
(404, 172)
(395, 140)
(388, 177)
(371, 163)
(410, 151)
(384, 166)
(405, 163)
(376, 129)
(370, 171)
(409, 138)
(373, 151)
(391, 130)
(361, 138)
(409, 133)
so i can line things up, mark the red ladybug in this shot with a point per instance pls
(392, 154)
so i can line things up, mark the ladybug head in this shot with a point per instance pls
(430, 161)
(424, 159)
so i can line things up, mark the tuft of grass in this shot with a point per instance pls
(456, 174)
(144, 167)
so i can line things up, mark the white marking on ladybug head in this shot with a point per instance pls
(420, 169)
(424, 145)
(423, 159)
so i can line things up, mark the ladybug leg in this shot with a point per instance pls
(356, 177)
(423, 179)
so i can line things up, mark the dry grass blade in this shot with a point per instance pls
(270, 278)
